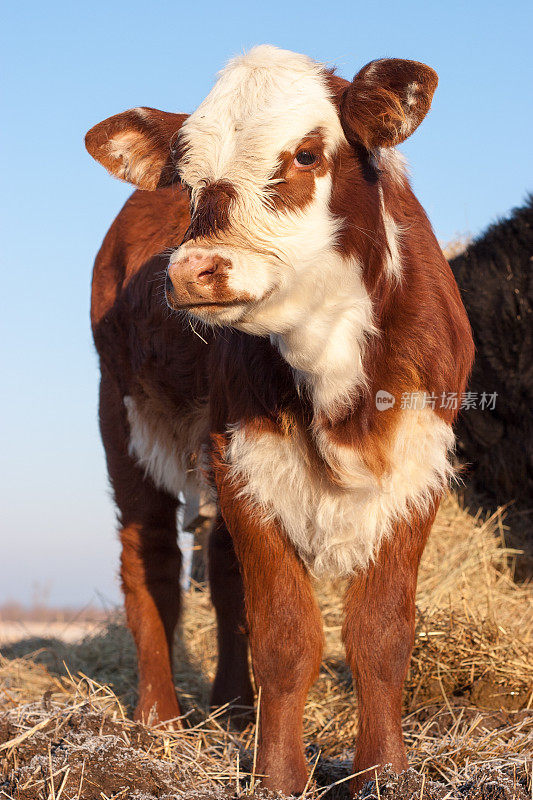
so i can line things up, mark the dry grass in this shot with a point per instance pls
(467, 703)
(457, 245)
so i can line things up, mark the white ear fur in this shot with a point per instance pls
(137, 146)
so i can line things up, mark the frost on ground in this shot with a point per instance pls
(65, 732)
(77, 752)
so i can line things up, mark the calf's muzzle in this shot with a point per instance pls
(196, 278)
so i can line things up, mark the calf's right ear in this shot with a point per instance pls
(138, 146)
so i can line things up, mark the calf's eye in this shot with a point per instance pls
(305, 158)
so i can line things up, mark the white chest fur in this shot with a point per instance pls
(339, 528)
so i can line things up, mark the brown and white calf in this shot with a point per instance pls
(303, 277)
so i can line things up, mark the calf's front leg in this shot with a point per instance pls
(378, 634)
(285, 635)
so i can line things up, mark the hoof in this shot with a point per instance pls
(153, 712)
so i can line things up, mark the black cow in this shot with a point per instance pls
(495, 276)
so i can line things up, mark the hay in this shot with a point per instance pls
(456, 246)
(467, 702)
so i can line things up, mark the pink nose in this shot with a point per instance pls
(197, 267)
(197, 277)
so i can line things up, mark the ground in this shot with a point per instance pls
(65, 730)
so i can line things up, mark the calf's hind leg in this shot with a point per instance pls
(232, 681)
(150, 562)
(378, 633)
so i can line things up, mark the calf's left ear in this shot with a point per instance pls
(138, 146)
(386, 101)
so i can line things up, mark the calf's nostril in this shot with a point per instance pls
(209, 269)
(198, 267)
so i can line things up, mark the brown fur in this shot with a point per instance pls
(295, 184)
(211, 211)
(156, 133)
(425, 341)
(285, 631)
(150, 561)
(260, 587)
(386, 101)
(379, 654)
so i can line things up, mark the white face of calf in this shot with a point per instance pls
(261, 144)
(259, 158)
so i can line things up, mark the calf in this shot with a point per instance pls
(305, 286)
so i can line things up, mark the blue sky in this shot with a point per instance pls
(69, 65)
